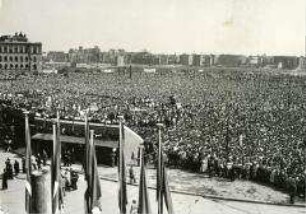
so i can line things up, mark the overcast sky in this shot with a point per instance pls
(203, 26)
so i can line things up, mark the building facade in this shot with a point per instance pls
(57, 56)
(19, 55)
(198, 60)
(286, 62)
(120, 60)
(186, 59)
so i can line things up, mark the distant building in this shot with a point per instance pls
(57, 56)
(186, 59)
(120, 61)
(142, 58)
(198, 60)
(173, 59)
(286, 62)
(19, 55)
(302, 64)
(212, 60)
(255, 61)
(230, 60)
(163, 59)
(87, 56)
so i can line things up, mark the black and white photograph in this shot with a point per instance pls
(152, 107)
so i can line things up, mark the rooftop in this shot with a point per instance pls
(17, 37)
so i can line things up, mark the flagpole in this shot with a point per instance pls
(93, 192)
(58, 153)
(120, 162)
(58, 141)
(122, 190)
(92, 164)
(160, 170)
(28, 192)
(53, 175)
(143, 197)
(86, 144)
(86, 165)
(141, 185)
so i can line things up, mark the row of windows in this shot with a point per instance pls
(11, 66)
(19, 49)
(16, 58)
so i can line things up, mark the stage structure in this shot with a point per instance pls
(72, 138)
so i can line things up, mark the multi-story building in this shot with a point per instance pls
(57, 56)
(212, 60)
(286, 62)
(173, 59)
(19, 55)
(85, 55)
(231, 60)
(162, 59)
(302, 63)
(120, 60)
(186, 59)
(198, 60)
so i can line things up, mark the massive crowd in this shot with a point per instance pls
(230, 123)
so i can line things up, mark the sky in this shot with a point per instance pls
(272, 27)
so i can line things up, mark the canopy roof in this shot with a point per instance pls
(75, 140)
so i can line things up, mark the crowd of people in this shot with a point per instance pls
(229, 123)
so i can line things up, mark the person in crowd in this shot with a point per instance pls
(204, 164)
(44, 157)
(134, 208)
(38, 161)
(74, 179)
(63, 184)
(67, 179)
(292, 189)
(23, 165)
(133, 158)
(34, 163)
(4, 179)
(132, 175)
(16, 167)
(8, 143)
(113, 157)
(9, 168)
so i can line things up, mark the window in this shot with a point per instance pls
(16, 58)
(16, 50)
(35, 50)
(34, 59)
(35, 67)
(21, 66)
(27, 66)
(11, 50)
(5, 66)
(11, 66)
(16, 66)
(21, 59)
(0, 66)
(5, 49)
(26, 59)
(11, 58)
(5, 58)
(0, 58)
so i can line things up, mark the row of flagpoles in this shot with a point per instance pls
(93, 192)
